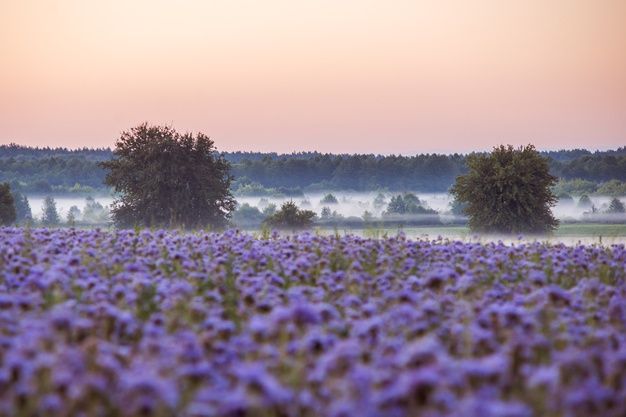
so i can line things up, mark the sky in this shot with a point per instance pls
(357, 76)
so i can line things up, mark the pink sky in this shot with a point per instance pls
(401, 76)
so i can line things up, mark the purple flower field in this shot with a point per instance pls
(96, 323)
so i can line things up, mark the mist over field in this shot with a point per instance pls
(261, 180)
(355, 204)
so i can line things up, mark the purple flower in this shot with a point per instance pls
(216, 324)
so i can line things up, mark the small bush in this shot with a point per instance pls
(291, 217)
(616, 206)
(329, 199)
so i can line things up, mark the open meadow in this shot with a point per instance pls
(166, 323)
(569, 234)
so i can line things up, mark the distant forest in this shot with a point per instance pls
(59, 170)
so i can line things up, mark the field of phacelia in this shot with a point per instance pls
(96, 323)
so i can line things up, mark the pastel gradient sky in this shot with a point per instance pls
(386, 76)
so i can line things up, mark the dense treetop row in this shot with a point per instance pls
(45, 170)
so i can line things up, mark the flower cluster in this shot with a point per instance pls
(163, 323)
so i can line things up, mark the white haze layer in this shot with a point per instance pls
(349, 203)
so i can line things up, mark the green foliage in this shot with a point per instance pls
(81, 189)
(73, 216)
(246, 188)
(457, 207)
(74, 212)
(269, 210)
(46, 170)
(406, 210)
(50, 215)
(8, 214)
(358, 172)
(252, 189)
(288, 192)
(168, 179)
(564, 197)
(291, 217)
(396, 205)
(616, 206)
(326, 213)
(508, 191)
(23, 212)
(615, 188)
(597, 167)
(247, 216)
(408, 203)
(329, 199)
(575, 187)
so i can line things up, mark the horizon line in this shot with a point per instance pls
(295, 152)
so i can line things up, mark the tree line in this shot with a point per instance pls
(60, 170)
(163, 178)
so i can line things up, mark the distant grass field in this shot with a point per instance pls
(567, 233)
(590, 229)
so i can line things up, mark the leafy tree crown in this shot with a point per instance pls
(168, 179)
(508, 191)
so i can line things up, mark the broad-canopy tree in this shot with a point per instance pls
(508, 191)
(7, 205)
(168, 179)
